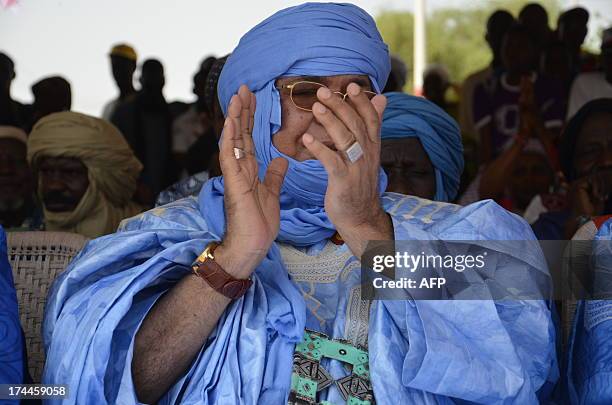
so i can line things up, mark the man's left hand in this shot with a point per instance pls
(352, 200)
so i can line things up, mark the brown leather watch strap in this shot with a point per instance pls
(207, 268)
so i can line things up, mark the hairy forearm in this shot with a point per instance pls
(178, 325)
(172, 335)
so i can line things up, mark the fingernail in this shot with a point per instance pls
(320, 108)
(226, 122)
(353, 89)
(324, 92)
(308, 138)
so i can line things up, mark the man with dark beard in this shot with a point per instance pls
(87, 174)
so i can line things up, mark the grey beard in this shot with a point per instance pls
(11, 204)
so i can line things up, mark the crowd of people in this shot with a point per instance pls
(226, 234)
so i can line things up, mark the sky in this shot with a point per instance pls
(72, 37)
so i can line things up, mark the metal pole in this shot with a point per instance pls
(419, 45)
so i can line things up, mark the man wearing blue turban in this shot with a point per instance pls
(251, 293)
(421, 148)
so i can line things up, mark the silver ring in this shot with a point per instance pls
(354, 152)
(239, 153)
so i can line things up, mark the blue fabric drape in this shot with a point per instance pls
(590, 348)
(12, 360)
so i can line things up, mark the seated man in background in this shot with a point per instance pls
(87, 173)
(302, 193)
(18, 207)
(586, 161)
(13, 367)
(421, 150)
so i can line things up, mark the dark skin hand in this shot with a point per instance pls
(175, 329)
(532, 124)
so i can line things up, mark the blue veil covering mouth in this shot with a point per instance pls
(420, 352)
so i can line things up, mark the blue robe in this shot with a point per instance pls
(590, 346)
(12, 361)
(421, 352)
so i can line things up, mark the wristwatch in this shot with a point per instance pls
(207, 268)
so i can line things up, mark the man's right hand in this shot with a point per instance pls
(252, 207)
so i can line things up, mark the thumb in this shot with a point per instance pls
(275, 174)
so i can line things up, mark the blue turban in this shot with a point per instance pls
(408, 116)
(313, 39)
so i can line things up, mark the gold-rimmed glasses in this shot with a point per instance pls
(303, 94)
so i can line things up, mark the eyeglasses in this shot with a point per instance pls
(304, 94)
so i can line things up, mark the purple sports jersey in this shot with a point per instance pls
(496, 101)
